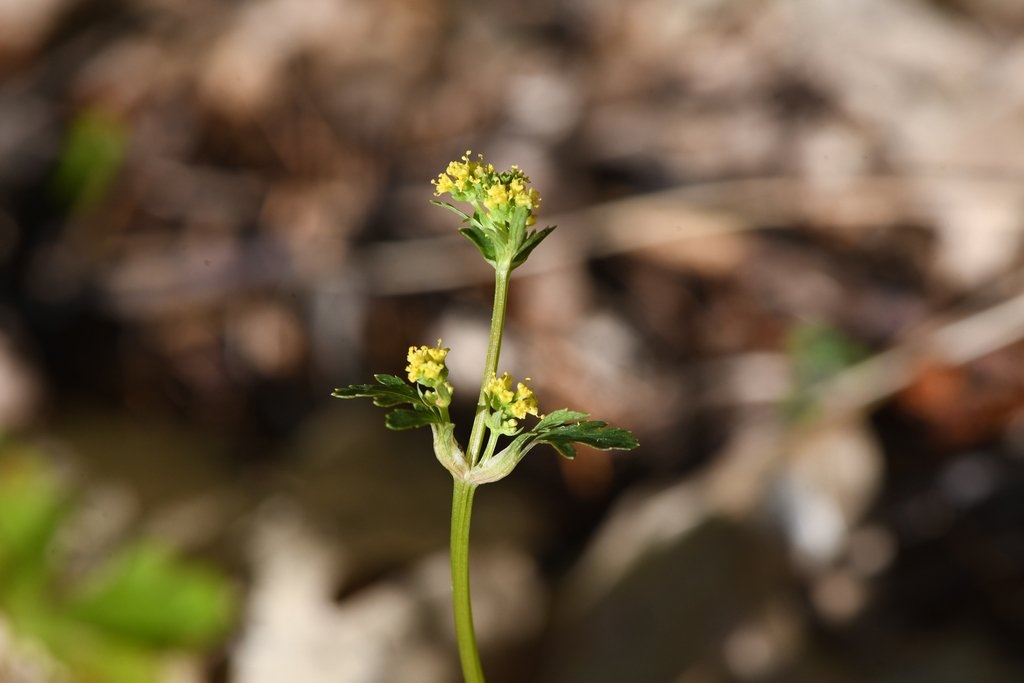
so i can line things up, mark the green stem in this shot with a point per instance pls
(476, 436)
(462, 496)
(492, 443)
(462, 511)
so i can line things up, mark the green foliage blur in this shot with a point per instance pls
(90, 157)
(817, 352)
(116, 624)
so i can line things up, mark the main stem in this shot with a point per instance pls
(462, 510)
(462, 495)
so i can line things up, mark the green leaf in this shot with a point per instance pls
(147, 595)
(116, 625)
(391, 380)
(93, 654)
(593, 433)
(392, 391)
(92, 154)
(482, 240)
(32, 506)
(529, 244)
(559, 417)
(818, 352)
(410, 419)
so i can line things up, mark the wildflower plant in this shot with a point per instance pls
(507, 423)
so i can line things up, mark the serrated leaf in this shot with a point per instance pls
(392, 391)
(482, 241)
(529, 244)
(594, 433)
(410, 419)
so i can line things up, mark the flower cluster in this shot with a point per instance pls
(427, 367)
(500, 193)
(509, 406)
(466, 180)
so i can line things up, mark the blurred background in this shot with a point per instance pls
(788, 258)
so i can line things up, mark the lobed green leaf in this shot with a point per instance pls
(392, 391)
(593, 433)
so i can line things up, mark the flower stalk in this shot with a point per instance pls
(476, 436)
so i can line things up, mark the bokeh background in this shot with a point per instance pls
(789, 259)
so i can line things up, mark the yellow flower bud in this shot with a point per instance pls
(525, 402)
(500, 388)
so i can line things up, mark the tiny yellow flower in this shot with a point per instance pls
(525, 402)
(426, 364)
(500, 388)
(519, 403)
(497, 196)
(442, 184)
(528, 198)
(482, 170)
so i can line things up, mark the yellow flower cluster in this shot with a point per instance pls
(426, 364)
(511, 189)
(476, 181)
(462, 176)
(520, 403)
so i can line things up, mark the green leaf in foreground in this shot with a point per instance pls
(32, 506)
(119, 623)
(148, 595)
